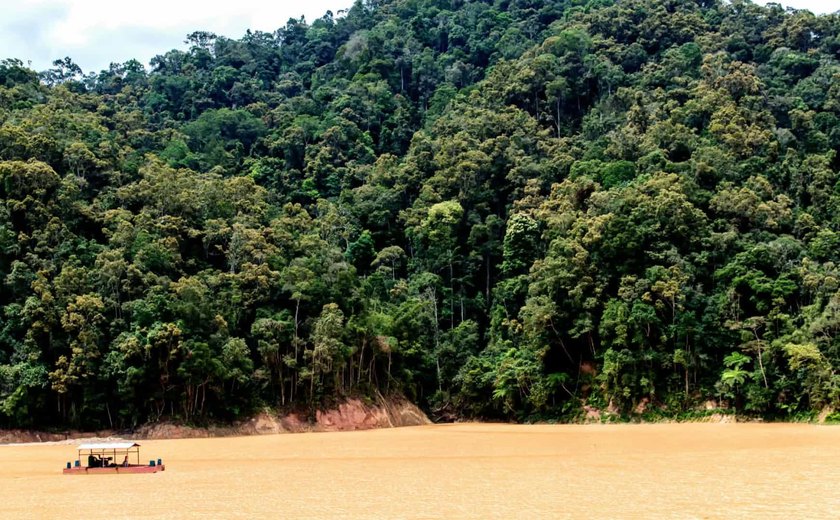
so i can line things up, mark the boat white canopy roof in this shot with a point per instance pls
(108, 446)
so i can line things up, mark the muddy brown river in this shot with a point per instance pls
(452, 471)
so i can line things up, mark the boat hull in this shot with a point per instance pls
(113, 470)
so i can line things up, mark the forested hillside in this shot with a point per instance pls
(501, 208)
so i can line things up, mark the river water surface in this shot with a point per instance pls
(452, 471)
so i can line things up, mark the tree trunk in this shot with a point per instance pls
(451, 295)
(487, 278)
(361, 361)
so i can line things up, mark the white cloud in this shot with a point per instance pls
(815, 6)
(95, 33)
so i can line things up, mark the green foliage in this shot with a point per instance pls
(499, 209)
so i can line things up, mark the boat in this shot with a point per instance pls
(108, 458)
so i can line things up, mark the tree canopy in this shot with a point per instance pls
(500, 208)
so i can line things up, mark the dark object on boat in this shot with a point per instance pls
(102, 457)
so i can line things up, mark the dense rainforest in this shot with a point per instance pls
(507, 209)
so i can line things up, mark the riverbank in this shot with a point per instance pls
(709, 411)
(349, 415)
(357, 414)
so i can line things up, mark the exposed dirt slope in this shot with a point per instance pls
(352, 414)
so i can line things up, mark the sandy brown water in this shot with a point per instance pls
(452, 471)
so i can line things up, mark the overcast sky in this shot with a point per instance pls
(95, 33)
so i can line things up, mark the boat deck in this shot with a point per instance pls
(112, 470)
